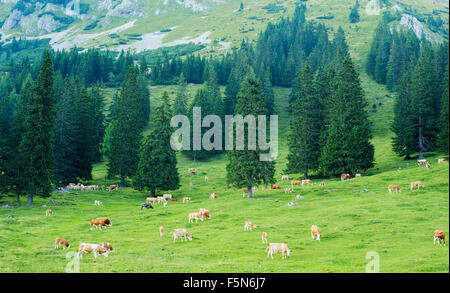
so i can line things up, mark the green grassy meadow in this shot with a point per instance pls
(355, 217)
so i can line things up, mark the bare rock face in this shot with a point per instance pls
(415, 25)
(126, 8)
(13, 19)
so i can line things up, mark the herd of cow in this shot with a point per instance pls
(102, 223)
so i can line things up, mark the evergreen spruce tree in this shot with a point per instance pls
(157, 168)
(269, 96)
(354, 14)
(145, 100)
(244, 168)
(348, 146)
(123, 138)
(180, 103)
(37, 142)
(443, 138)
(306, 123)
(404, 143)
(98, 105)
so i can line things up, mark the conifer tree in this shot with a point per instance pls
(98, 105)
(180, 103)
(348, 146)
(269, 96)
(244, 168)
(124, 136)
(306, 123)
(443, 137)
(354, 14)
(404, 143)
(37, 142)
(157, 168)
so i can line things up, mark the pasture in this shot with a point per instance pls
(356, 217)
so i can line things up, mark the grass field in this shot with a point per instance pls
(356, 216)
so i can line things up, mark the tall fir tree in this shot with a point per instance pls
(354, 14)
(348, 148)
(306, 124)
(124, 135)
(180, 103)
(157, 168)
(98, 106)
(244, 168)
(443, 137)
(37, 141)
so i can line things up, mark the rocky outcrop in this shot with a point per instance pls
(416, 26)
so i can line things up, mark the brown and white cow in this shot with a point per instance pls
(277, 248)
(181, 233)
(186, 199)
(422, 162)
(48, 212)
(296, 182)
(205, 213)
(439, 235)
(306, 182)
(315, 231)
(161, 231)
(321, 183)
(193, 171)
(60, 241)
(285, 177)
(288, 190)
(107, 246)
(264, 237)
(249, 225)
(213, 196)
(417, 184)
(196, 217)
(100, 222)
(113, 187)
(442, 161)
(393, 187)
(167, 196)
(91, 248)
(276, 186)
(345, 177)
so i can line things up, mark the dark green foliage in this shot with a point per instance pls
(180, 103)
(157, 168)
(37, 142)
(306, 124)
(244, 168)
(123, 135)
(443, 138)
(348, 146)
(354, 14)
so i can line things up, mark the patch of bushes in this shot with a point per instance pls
(91, 26)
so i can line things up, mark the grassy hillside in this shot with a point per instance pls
(356, 216)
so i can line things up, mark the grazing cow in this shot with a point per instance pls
(146, 206)
(245, 192)
(48, 212)
(439, 235)
(345, 177)
(421, 162)
(177, 233)
(249, 225)
(113, 187)
(417, 184)
(107, 246)
(161, 231)
(275, 186)
(315, 231)
(205, 213)
(103, 187)
(296, 182)
(442, 161)
(91, 248)
(393, 187)
(285, 177)
(278, 247)
(196, 216)
(321, 183)
(358, 175)
(97, 203)
(206, 178)
(161, 199)
(167, 196)
(174, 199)
(186, 199)
(213, 196)
(193, 171)
(60, 241)
(153, 200)
(264, 237)
(100, 222)
(288, 190)
(306, 182)
(427, 165)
